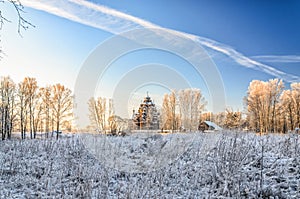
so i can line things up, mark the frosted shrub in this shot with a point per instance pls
(217, 165)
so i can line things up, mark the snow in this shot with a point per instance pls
(194, 165)
(214, 125)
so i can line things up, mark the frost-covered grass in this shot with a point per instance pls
(220, 165)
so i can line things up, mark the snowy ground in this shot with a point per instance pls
(219, 165)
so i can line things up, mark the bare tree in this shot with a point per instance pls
(7, 106)
(122, 123)
(172, 106)
(22, 107)
(31, 89)
(296, 101)
(191, 103)
(116, 123)
(31, 108)
(286, 107)
(290, 106)
(218, 118)
(112, 123)
(233, 119)
(97, 113)
(37, 113)
(263, 103)
(62, 105)
(45, 94)
(169, 111)
(275, 89)
(184, 105)
(166, 113)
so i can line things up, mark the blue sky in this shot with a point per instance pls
(246, 40)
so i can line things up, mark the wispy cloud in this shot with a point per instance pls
(277, 58)
(246, 61)
(90, 14)
(114, 21)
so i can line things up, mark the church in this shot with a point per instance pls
(147, 116)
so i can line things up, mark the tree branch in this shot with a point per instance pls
(23, 24)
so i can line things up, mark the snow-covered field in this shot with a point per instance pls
(197, 165)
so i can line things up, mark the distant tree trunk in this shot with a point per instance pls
(284, 129)
(30, 122)
(173, 100)
(57, 127)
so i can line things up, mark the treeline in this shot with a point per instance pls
(103, 118)
(181, 110)
(229, 119)
(27, 108)
(270, 108)
(185, 110)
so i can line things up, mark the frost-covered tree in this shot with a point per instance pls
(290, 106)
(169, 111)
(112, 119)
(232, 119)
(191, 104)
(172, 106)
(275, 89)
(102, 116)
(295, 89)
(287, 111)
(262, 104)
(218, 118)
(97, 113)
(165, 113)
(7, 106)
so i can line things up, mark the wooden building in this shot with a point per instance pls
(147, 116)
(208, 126)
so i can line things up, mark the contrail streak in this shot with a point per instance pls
(116, 22)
